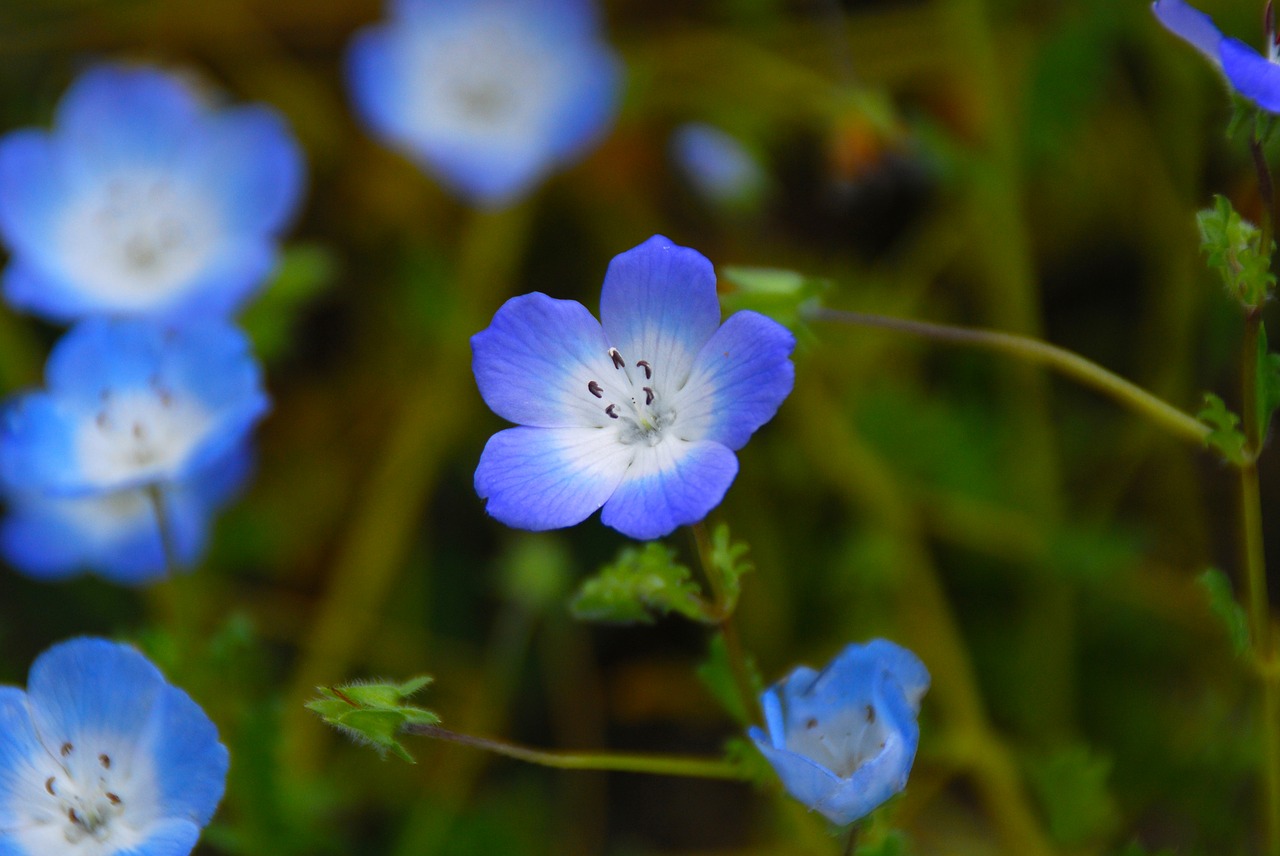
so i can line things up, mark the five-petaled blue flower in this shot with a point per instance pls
(842, 740)
(144, 201)
(101, 757)
(640, 412)
(1250, 73)
(487, 95)
(132, 404)
(117, 535)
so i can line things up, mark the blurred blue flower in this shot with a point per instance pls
(117, 535)
(1250, 73)
(716, 164)
(144, 201)
(487, 95)
(842, 740)
(640, 412)
(101, 757)
(131, 404)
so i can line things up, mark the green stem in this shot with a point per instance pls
(1069, 363)
(663, 765)
(155, 493)
(728, 628)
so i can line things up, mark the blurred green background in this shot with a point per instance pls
(1026, 165)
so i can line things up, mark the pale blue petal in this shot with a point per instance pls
(739, 379)
(806, 781)
(20, 792)
(191, 765)
(1191, 25)
(33, 190)
(549, 478)
(41, 292)
(37, 445)
(716, 163)
(534, 362)
(166, 837)
(659, 304)
(1252, 75)
(674, 483)
(249, 157)
(589, 106)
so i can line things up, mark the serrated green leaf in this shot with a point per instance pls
(1268, 383)
(1232, 246)
(783, 295)
(1222, 601)
(374, 713)
(1225, 436)
(727, 560)
(642, 582)
(716, 674)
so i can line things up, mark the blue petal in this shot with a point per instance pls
(806, 781)
(659, 304)
(672, 484)
(250, 158)
(19, 779)
(534, 361)
(165, 837)
(32, 192)
(37, 445)
(1252, 75)
(1191, 25)
(191, 765)
(739, 379)
(588, 107)
(548, 478)
(716, 163)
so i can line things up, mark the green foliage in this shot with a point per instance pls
(1231, 244)
(303, 272)
(1224, 605)
(374, 713)
(1268, 381)
(727, 561)
(642, 581)
(783, 295)
(1226, 436)
(742, 753)
(716, 674)
(894, 843)
(1133, 848)
(1072, 786)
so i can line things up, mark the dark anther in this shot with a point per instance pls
(648, 395)
(48, 786)
(115, 800)
(73, 817)
(871, 714)
(612, 410)
(648, 369)
(594, 389)
(811, 723)
(66, 749)
(616, 357)
(166, 398)
(105, 761)
(138, 431)
(101, 419)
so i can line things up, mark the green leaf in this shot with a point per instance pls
(892, 844)
(744, 755)
(374, 713)
(1071, 784)
(783, 295)
(304, 270)
(716, 674)
(727, 560)
(1225, 436)
(643, 581)
(1224, 605)
(1268, 383)
(1133, 848)
(1232, 245)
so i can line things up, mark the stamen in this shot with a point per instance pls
(105, 761)
(48, 786)
(66, 749)
(115, 800)
(612, 410)
(648, 395)
(595, 389)
(648, 369)
(138, 431)
(616, 357)
(871, 714)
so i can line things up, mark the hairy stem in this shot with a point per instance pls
(728, 628)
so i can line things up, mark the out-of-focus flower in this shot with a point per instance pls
(640, 412)
(117, 535)
(101, 757)
(487, 95)
(144, 201)
(717, 164)
(843, 740)
(1253, 75)
(132, 404)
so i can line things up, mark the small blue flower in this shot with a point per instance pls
(640, 412)
(716, 164)
(144, 201)
(487, 95)
(1250, 73)
(132, 404)
(117, 535)
(842, 740)
(102, 757)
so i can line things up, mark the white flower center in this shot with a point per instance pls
(144, 433)
(843, 742)
(138, 237)
(633, 398)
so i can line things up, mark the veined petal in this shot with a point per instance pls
(534, 362)
(806, 780)
(548, 478)
(190, 764)
(1191, 25)
(1252, 75)
(668, 485)
(659, 304)
(167, 837)
(20, 803)
(739, 379)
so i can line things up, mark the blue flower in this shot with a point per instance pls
(117, 535)
(487, 95)
(640, 412)
(101, 757)
(132, 404)
(144, 201)
(842, 740)
(1250, 73)
(716, 164)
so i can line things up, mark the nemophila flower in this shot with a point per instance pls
(487, 95)
(640, 412)
(117, 535)
(144, 200)
(1253, 75)
(101, 757)
(131, 404)
(716, 164)
(842, 740)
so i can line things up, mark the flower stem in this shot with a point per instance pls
(663, 765)
(728, 628)
(173, 565)
(1180, 424)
